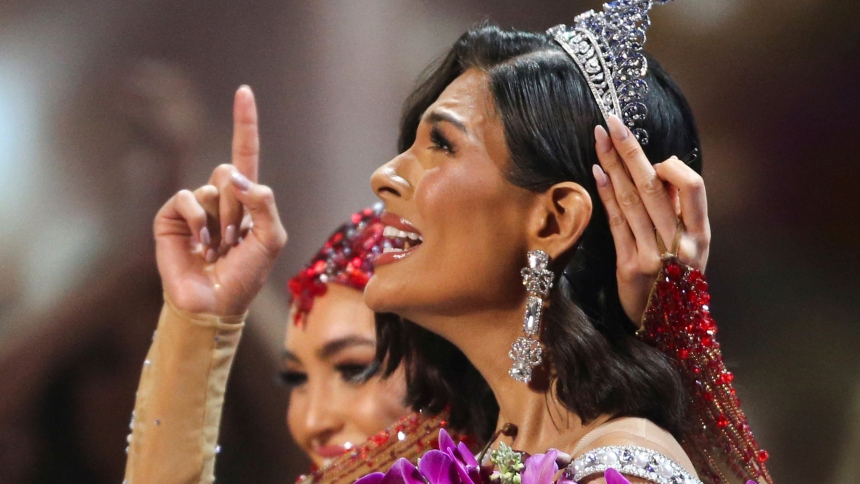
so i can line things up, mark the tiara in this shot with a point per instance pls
(607, 47)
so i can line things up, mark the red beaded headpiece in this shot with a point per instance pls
(345, 258)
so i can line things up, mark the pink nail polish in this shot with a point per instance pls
(617, 128)
(599, 175)
(601, 139)
(230, 235)
(211, 255)
(240, 181)
(205, 238)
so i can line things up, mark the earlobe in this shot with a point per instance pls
(562, 214)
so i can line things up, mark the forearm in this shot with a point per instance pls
(678, 322)
(180, 397)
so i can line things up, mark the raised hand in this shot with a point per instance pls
(643, 202)
(216, 245)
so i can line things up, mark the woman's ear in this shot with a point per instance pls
(560, 216)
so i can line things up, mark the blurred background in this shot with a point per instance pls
(107, 108)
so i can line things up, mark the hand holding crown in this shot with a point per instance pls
(648, 207)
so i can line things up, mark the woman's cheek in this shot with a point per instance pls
(382, 405)
(295, 411)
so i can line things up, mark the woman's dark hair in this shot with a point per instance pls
(549, 114)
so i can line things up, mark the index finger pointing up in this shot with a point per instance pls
(246, 139)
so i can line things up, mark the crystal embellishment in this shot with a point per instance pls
(531, 320)
(526, 351)
(607, 48)
(631, 460)
(536, 277)
(527, 354)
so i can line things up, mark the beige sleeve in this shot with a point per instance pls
(179, 400)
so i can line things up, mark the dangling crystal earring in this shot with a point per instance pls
(526, 350)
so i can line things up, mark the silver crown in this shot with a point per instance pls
(607, 47)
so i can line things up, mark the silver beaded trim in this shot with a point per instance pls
(631, 460)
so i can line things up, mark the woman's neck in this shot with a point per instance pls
(541, 420)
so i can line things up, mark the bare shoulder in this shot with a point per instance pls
(637, 432)
(641, 450)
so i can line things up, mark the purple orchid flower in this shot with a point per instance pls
(455, 461)
(459, 451)
(402, 472)
(540, 468)
(614, 477)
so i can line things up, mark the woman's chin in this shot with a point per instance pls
(383, 295)
(375, 296)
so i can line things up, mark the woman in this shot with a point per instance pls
(498, 145)
(330, 347)
(497, 148)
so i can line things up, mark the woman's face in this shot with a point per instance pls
(330, 410)
(450, 188)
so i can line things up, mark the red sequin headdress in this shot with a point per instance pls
(345, 258)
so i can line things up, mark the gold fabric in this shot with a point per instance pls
(409, 438)
(177, 411)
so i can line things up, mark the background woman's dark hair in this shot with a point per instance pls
(549, 114)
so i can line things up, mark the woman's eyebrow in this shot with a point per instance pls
(442, 116)
(337, 345)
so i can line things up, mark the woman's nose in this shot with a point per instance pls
(389, 182)
(322, 419)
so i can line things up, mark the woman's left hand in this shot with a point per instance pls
(644, 202)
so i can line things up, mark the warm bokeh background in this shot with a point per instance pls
(108, 107)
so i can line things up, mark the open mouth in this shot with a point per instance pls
(399, 240)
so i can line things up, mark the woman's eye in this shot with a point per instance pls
(440, 142)
(352, 373)
(292, 379)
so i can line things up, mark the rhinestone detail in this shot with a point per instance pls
(526, 351)
(678, 323)
(631, 460)
(607, 48)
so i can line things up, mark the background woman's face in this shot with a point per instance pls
(330, 410)
(450, 186)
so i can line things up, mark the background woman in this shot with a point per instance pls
(331, 345)
(204, 240)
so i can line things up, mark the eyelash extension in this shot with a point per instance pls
(292, 379)
(440, 142)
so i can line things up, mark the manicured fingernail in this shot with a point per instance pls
(617, 128)
(230, 235)
(205, 238)
(211, 255)
(601, 139)
(241, 182)
(599, 175)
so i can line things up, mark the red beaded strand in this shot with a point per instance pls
(678, 322)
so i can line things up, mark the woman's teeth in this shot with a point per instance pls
(400, 240)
